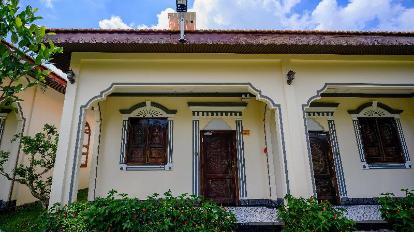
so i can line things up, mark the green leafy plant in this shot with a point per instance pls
(20, 63)
(399, 212)
(34, 171)
(300, 214)
(118, 212)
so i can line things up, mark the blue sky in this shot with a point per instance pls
(231, 14)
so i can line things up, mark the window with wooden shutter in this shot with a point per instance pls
(381, 140)
(379, 136)
(147, 141)
(147, 137)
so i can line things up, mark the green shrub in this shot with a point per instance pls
(117, 212)
(399, 212)
(300, 214)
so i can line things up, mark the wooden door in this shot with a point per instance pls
(219, 180)
(323, 167)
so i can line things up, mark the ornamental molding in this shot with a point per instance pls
(321, 109)
(148, 109)
(374, 109)
(217, 109)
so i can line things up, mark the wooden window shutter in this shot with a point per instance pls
(147, 141)
(380, 140)
(370, 140)
(391, 145)
(157, 141)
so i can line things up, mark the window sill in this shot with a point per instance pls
(405, 165)
(126, 167)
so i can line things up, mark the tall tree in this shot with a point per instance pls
(20, 61)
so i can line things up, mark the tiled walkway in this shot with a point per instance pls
(358, 213)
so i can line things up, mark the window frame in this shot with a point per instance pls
(146, 110)
(378, 110)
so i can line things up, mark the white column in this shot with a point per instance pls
(93, 177)
(297, 155)
(241, 162)
(65, 169)
(337, 158)
(270, 156)
(408, 163)
(196, 157)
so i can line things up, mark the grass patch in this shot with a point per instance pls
(19, 220)
(82, 195)
(26, 216)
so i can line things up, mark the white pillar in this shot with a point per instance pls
(241, 162)
(93, 178)
(270, 155)
(196, 157)
(63, 171)
(298, 160)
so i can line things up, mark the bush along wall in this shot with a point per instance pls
(399, 212)
(117, 212)
(305, 215)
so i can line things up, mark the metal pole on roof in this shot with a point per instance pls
(182, 27)
(182, 9)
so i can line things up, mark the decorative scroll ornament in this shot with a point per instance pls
(148, 109)
(149, 112)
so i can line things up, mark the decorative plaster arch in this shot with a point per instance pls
(106, 92)
(318, 96)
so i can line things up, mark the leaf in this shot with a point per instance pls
(18, 22)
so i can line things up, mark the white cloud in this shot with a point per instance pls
(115, 22)
(162, 20)
(48, 3)
(362, 15)
(280, 14)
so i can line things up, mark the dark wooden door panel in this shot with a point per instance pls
(218, 166)
(323, 167)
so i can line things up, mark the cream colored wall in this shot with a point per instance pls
(39, 106)
(179, 179)
(96, 72)
(10, 129)
(371, 183)
(46, 107)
